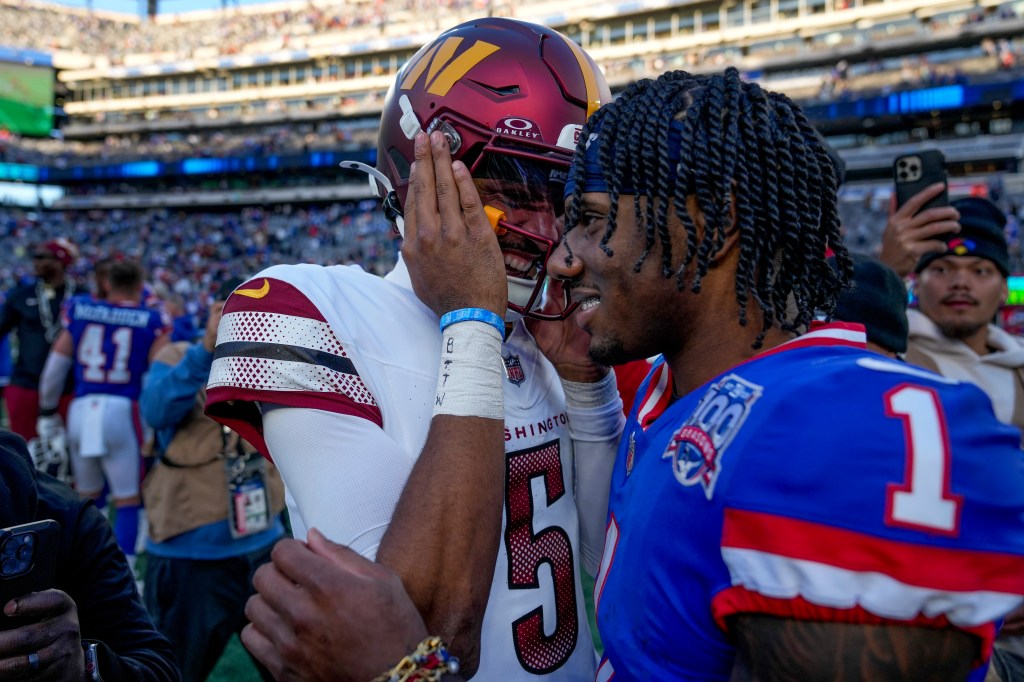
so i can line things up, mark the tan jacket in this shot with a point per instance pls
(1000, 374)
(194, 493)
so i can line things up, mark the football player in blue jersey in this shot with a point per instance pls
(785, 505)
(832, 498)
(108, 344)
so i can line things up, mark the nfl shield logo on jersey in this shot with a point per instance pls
(514, 369)
(696, 448)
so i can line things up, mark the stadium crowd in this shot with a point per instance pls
(190, 252)
(173, 146)
(764, 280)
(233, 30)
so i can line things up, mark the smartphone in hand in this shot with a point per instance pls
(914, 172)
(28, 556)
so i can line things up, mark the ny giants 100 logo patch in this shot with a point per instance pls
(696, 449)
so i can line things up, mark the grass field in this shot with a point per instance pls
(235, 665)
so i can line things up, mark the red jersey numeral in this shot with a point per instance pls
(538, 652)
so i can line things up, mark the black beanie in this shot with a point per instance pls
(876, 299)
(981, 235)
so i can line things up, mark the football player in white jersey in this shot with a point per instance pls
(383, 422)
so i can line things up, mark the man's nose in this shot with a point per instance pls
(562, 265)
(960, 280)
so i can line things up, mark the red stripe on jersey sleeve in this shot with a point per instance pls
(940, 568)
(235, 408)
(735, 600)
(269, 295)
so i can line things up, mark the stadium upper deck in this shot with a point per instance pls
(300, 78)
(312, 61)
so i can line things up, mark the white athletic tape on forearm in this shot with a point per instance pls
(470, 378)
(580, 394)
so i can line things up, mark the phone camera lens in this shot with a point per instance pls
(25, 552)
(8, 567)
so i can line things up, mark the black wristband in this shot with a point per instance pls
(47, 412)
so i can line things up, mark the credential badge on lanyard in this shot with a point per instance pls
(248, 503)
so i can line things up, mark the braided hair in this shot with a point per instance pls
(722, 141)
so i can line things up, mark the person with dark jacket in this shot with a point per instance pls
(94, 624)
(32, 312)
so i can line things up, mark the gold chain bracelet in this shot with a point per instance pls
(429, 661)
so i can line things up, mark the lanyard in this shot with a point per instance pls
(50, 327)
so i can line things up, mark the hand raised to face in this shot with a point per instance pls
(450, 247)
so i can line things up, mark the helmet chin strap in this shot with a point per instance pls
(391, 210)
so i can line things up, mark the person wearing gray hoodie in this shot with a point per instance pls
(959, 293)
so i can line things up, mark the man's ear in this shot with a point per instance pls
(732, 232)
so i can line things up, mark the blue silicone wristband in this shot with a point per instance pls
(473, 315)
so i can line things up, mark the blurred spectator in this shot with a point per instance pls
(959, 292)
(876, 299)
(108, 345)
(93, 604)
(33, 312)
(5, 357)
(189, 251)
(195, 547)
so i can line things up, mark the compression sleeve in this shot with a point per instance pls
(51, 382)
(595, 426)
(343, 472)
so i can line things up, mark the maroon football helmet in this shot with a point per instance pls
(511, 97)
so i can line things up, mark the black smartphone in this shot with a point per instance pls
(28, 556)
(914, 172)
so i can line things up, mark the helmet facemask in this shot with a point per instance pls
(511, 98)
(523, 196)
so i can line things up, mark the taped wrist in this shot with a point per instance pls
(469, 380)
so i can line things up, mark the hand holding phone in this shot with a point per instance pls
(920, 218)
(28, 556)
(914, 173)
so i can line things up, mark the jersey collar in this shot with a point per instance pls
(658, 394)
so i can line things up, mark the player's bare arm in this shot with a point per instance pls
(770, 648)
(444, 534)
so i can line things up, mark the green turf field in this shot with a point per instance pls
(26, 99)
(235, 665)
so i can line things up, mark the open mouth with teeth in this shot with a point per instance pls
(523, 256)
(521, 266)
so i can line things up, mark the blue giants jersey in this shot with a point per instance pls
(112, 343)
(817, 481)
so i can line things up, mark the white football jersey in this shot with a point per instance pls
(342, 340)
